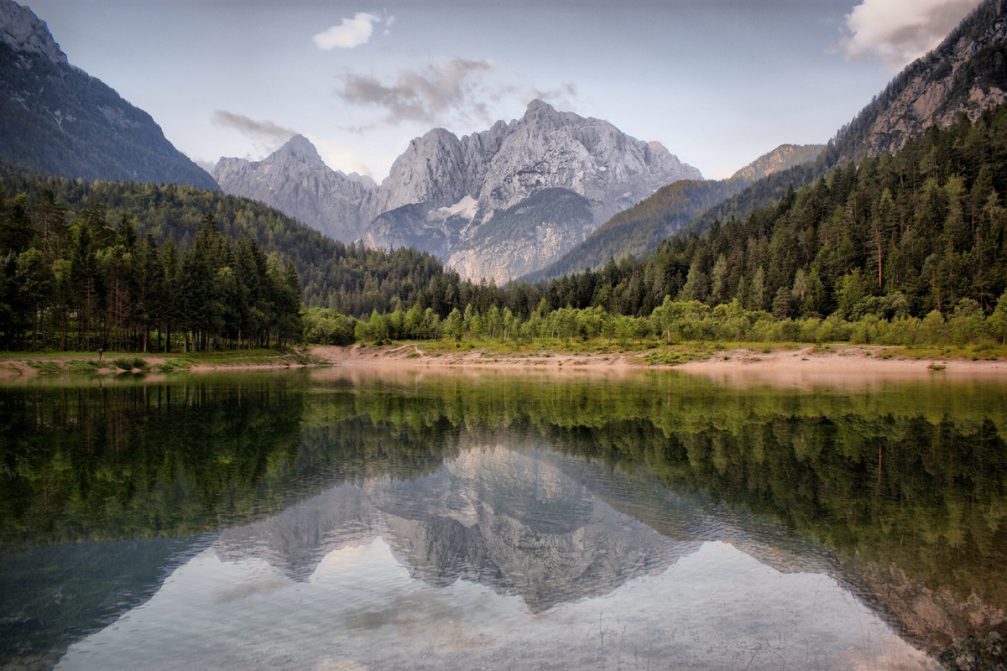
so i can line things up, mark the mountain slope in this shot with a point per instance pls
(296, 181)
(920, 233)
(965, 74)
(639, 230)
(57, 119)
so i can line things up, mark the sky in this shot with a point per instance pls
(718, 82)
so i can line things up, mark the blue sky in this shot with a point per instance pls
(718, 82)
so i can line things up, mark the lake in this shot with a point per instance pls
(340, 519)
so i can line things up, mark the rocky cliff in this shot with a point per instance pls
(514, 198)
(965, 74)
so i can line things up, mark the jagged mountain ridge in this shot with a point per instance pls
(637, 231)
(446, 194)
(57, 119)
(502, 174)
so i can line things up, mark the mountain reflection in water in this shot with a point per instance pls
(656, 522)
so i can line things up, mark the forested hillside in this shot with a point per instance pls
(904, 249)
(349, 277)
(82, 264)
(919, 233)
(921, 230)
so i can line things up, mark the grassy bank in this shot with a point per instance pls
(656, 352)
(89, 363)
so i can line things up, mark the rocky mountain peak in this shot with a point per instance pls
(540, 110)
(21, 30)
(431, 170)
(295, 180)
(57, 119)
(298, 148)
(965, 74)
(783, 157)
(495, 204)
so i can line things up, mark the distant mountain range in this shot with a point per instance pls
(57, 119)
(495, 205)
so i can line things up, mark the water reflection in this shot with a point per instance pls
(499, 559)
(505, 523)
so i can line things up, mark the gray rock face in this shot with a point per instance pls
(499, 225)
(524, 238)
(296, 181)
(21, 30)
(431, 171)
(56, 119)
(965, 74)
(496, 204)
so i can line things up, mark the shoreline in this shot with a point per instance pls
(836, 359)
(25, 365)
(781, 363)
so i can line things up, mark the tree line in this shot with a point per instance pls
(91, 284)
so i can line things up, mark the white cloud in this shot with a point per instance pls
(350, 33)
(900, 31)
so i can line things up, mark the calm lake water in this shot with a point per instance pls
(339, 520)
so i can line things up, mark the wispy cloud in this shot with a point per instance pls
(456, 88)
(265, 134)
(899, 31)
(420, 95)
(351, 32)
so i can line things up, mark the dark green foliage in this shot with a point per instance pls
(349, 278)
(58, 119)
(93, 285)
(983, 68)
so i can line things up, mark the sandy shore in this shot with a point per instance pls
(840, 365)
(808, 365)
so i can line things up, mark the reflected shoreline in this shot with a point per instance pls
(893, 491)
